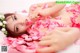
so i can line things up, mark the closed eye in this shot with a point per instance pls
(16, 29)
(15, 18)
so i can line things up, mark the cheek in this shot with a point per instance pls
(10, 26)
(22, 29)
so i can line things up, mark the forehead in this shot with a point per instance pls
(8, 16)
(10, 23)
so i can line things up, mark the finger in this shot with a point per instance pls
(51, 33)
(46, 38)
(45, 43)
(45, 50)
(33, 7)
(64, 29)
(56, 48)
(58, 32)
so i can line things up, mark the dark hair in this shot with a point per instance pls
(0, 27)
(10, 33)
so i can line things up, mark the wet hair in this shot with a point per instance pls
(10, 33)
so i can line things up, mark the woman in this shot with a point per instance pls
(39, 22)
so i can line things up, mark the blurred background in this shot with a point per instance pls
(19, 5)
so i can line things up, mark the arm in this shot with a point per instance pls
(52, 10)
(58, 39)
(40, 5)
(36, 8)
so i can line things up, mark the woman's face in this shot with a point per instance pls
(17, 23)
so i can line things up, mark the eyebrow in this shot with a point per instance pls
(12, 17)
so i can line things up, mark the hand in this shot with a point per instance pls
(34, 10)
(57, 40)
(39, 9)
(35, 14)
